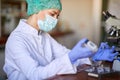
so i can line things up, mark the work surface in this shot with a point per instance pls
(84, 76)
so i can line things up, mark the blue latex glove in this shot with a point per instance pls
(105, 53)
(79, 51)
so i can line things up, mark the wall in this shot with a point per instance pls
(83, 18)
(114, 7)
(0, 19)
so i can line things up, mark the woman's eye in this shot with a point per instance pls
(52, 14)
(58, 16)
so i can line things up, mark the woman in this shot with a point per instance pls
(32, 54)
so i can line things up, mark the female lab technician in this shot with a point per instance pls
(32, 54)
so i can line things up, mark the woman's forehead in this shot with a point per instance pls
(53, 10)
(50, 11)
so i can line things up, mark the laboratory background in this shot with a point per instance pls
(78, 19)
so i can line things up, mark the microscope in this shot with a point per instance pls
(112, 24)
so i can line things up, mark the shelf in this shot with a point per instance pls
(11, 12)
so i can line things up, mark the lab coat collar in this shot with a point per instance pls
(26, 28)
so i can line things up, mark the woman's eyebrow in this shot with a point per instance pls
(55, 12)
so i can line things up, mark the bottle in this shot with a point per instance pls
(92, 46)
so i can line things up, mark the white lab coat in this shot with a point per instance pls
(30, 55)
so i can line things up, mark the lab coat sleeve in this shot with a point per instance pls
(57, 48)
(30, 68)
(83, 61)
(60, 50)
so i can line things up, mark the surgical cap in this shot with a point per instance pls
(34, 6)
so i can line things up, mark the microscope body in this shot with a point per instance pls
(113, 36)
(115, 26)
(113, 30)
(113, 22)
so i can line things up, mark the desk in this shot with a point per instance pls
(83, 76)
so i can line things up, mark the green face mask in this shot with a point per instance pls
(48, 24)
